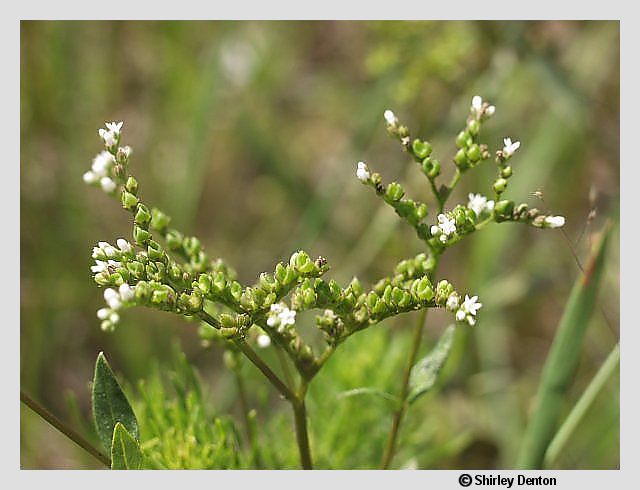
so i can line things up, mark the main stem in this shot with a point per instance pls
(302, 433)
(390, 448)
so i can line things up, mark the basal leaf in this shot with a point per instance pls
(125, 451)
(425, 373)
(109, 404)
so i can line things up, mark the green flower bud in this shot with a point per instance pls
(304, 263)
(219, 282)
(204, 283)
(506, 172)
(132, 185)
(336, 291)
(280, 273)
(143, 216)
(421, 149)
(235, 289)
(372, 299)
(473, 127)
(500, 185)
(386, 295)
(175, 273)
(431, 167)
(463, 139)
(396, 295)
(174, 239)
(136, 269)
(191, 245)
(154, 250)
(503, 210)
(142, 291)
(473, 153)
(102, 279)
(461, 159)
(380, 307)
(361, 315)
(129, 201)
(405, 301)
(159, 220)
(309, 298)
(140, 236)
(227, 321)
(356, 287)
(248, 300)
(424, 291)
(395, 191)
(421, 211)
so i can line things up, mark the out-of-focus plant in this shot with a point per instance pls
(164, 269)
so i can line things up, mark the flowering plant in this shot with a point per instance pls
(164, 269)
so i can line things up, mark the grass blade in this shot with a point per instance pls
(598, 382)
(562, 360)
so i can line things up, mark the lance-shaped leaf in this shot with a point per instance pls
(125, 451)
(425, 373)
(109, 404)
(370, 391)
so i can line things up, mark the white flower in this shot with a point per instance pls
(103, 313)
(453, 302)
(363, 172)
(509, 147)
(281, 315)
(476, 103)
(263, 340)
(124, 245)
(490, 111)
(114, 127)
(446, 225)
(107, 185)
(101, 164)
(100, 266)
(390, 117)
(435, 230)
(109, 137)
(114, 318)
(460, 315)
(478, 203)
(329, 314)
(554, 221)
(471, 305)
(127, 293)
(126, 151)
(112, 298)
(90, 177)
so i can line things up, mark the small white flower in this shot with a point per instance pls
(446, 225)
(509, 147)
(470, 320)
(390, 117)
(435, 230)
(112, 298)
(471, 305)
(100, 266)
(263, 340)
(287, 316)
(90, 177)
(114, 318)
(453, 302)
(478, 203)
(127, 293)
(107, 185)
(124, 245)
(103, 313)
(476, 103)
(490, 111)
(330, 314)
(101, 164)
(114, 127)
(554, 221)
(460, 315)
(363, 172)
(443, 238)
(109, 137)
(126, 151)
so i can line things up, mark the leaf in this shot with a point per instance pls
(425, 373)
(369, 391)
(125, 451)
(109, 404)
(562, 361)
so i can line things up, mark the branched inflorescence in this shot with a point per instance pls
(164, 269)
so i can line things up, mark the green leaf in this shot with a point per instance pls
(125, 451)
(425, 373)
(562, 361)
(109, 404)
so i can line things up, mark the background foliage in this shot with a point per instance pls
(247, 133)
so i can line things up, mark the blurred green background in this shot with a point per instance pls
(247, 134)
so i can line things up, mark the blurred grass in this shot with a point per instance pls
(247, 134)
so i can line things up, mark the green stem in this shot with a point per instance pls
(399, 413)
(302, 433)
(283, 364)
(56, 423)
